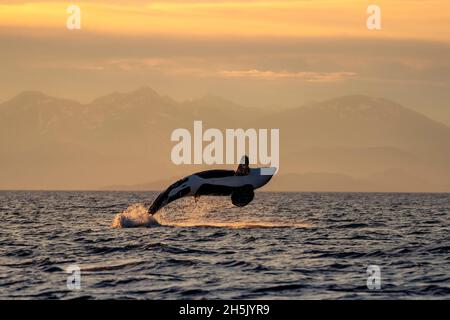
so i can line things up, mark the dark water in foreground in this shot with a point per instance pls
(282, 246)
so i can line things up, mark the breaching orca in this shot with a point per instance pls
(239, 184)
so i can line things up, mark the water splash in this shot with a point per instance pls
(134, 216)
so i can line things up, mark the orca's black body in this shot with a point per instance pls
(239, 184)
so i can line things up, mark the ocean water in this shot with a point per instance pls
(281, 246)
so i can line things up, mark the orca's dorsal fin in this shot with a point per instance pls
(243, 169)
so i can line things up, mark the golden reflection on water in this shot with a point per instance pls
(200, 216)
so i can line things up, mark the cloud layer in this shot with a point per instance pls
(282, 53)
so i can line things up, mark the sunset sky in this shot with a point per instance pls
(257, 53)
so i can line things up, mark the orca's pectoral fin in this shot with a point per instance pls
(242, 196)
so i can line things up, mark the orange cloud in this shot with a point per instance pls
(295, 18)
(275, 75)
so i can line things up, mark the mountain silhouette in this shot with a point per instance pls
(349, 143)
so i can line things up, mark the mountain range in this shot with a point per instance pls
(122, 141)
